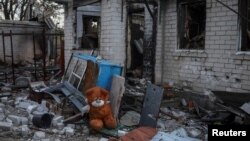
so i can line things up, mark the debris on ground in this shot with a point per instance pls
(41, 110)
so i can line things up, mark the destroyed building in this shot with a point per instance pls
(203, 45)
(199, 44)
(29, 45)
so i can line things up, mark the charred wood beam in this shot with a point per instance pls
(150, 45)
(137, 10)
(233, 110)
(154, 2)
(78, 3)
(61, 1)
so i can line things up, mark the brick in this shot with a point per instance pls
(69, 131)
(15, 119)
(24, 120)
(226, 70)
(238, 62)
(6, 126)
(59, 125)
(237, 71)
(221, 88)
(31, 108)
(39, 135)
(4, 99)
(225, 37)
(25, 104)
(220, 23)
(247, 57)
(221, 65)
(215, 28)
(230, 66)
(245, 77)
(236, 85)
(23, 130)
(57, 119)
(246, 72)
(246, 87)
(5, 89)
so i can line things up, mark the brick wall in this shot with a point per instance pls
(113, 31)
(220, 66)
(112, 42)
(69, 32)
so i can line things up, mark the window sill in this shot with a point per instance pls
(190, 53)
(241, 55)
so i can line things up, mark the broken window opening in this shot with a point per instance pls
(91, 32)
(245, 25)
(135, 42)
(191, 24)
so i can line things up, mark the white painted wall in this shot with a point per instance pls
(22, 44)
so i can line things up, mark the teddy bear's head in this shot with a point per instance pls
(97, 96)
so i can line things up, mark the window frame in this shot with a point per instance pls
(180, 26)
(244, 42)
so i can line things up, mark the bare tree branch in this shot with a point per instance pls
(17, 9)
(14, 11)
(1, 1)
(5, 10)
(22, 13)
(26, 8)
(10, 8)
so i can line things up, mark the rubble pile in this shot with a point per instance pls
(24, 119)
(61, 111)
(178, 123)
(28, 69)
(135, 87)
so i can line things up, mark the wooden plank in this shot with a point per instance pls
(151, 105)
(116, 93)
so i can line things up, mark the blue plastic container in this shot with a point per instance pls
(106, 70)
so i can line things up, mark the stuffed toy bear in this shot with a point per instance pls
(100, 113)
